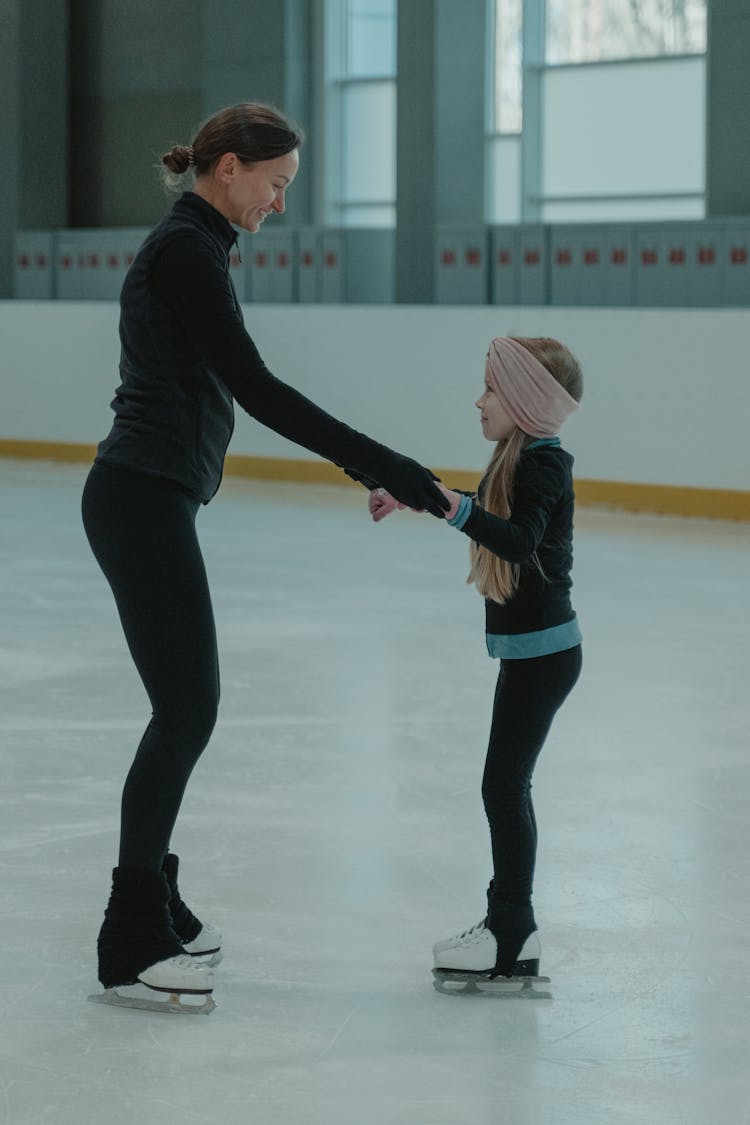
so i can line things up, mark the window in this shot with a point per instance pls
(507, 71)
(608, 156)
(572, 136)
(360, 70)
(370, 38)
(593, 30)
(503, 192)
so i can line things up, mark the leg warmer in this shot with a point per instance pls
(137, 929)
(185, 924)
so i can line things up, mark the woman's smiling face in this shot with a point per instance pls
(254, 191)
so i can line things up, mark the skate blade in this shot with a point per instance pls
(454, 982)
(140, 996)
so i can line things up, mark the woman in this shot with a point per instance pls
(185, 358)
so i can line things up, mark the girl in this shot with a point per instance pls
(521, 527)
(185, 358)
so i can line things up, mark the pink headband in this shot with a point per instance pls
(531, 396)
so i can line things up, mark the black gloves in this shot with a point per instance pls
(409, 482)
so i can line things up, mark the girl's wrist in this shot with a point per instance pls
(462, 513)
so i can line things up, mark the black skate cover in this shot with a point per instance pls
(137, 929)
(185, 924)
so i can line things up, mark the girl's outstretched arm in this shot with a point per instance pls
(537, 491)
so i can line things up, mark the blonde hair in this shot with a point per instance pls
(496, 578)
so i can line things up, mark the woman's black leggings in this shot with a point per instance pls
(528, 694)
(142, 532)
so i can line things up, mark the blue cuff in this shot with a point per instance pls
(463, 513)
(543, 642)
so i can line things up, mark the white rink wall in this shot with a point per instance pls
(667, 392)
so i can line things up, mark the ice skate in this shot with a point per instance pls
(142, 963)
(200, 940)
(205, 949)
(468, 963)
(179, 984)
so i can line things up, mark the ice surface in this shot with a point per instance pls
(334, 828)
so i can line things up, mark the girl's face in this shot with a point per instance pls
(497, 425)
(253, 192)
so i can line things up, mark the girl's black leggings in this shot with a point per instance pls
(142, 532)
(528, 694)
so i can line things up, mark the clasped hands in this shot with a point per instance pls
(381, 503)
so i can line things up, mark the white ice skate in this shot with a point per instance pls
(206, 948)
(179, 984)
(466, 963)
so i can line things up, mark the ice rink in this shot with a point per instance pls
(334, 828)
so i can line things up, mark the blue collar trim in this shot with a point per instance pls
(543, 441)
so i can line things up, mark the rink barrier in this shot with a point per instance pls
(669, 264)
(661, 499)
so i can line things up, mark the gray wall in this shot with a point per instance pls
(145, 75)
(33, 121)
(728, 108)
(135, 91)
(440, 138)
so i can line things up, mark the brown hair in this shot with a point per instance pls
(494, 577)
(253, 132)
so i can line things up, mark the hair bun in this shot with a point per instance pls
(178, 159)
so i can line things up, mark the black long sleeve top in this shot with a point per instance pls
(540, 526)
(185, 355)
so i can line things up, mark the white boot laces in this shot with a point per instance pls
(185, 961)
(472, 935)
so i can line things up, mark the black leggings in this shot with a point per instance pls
(142, 532)
(528, 694)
